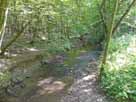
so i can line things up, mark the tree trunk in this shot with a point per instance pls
(3, 29)
(3, 6)
(109, 36)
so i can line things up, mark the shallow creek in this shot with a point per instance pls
(50, 80)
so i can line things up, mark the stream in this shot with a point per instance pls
(53, 80)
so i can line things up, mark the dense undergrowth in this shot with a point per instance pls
(119, 80)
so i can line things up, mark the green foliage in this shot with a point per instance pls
(60, 25)
(121, 84)
(120, 43)
(119, 76)
(53, 23)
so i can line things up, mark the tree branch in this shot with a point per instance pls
(123, 16)
(14, 39)
(102, 15)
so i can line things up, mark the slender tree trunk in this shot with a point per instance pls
(109, 36)
(3, 6)
(3, 29)
(112, 31)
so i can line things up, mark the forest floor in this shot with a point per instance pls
(76, 81)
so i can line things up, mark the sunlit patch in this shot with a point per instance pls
(14, 55)
(45, 81)
(89, 77)
(44, 38)
(49, 86)
(87, 90)
(121, 60)
(131, 50)
(125, 56)
(32, 49)
(132, 46)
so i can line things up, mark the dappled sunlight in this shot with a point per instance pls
(67, 50)
(132, 46)
(119, 63)
(91, 78)
(32, 49)
(123, 57)
(43, 37)
(87, 90)
(120, 68)
(49, 86)
(11, 54)
(45, 81)
(131, 50)
(121, 60)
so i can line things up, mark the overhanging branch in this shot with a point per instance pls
(123, 16)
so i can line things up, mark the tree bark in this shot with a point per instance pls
(109, 35)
